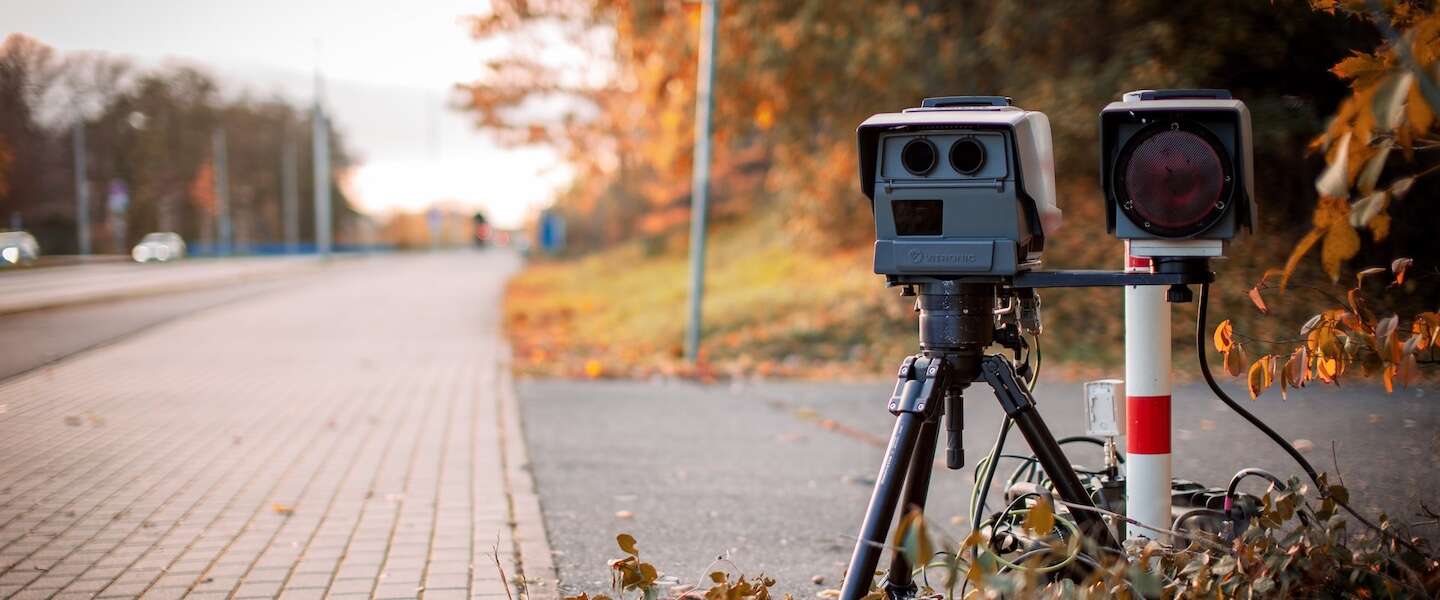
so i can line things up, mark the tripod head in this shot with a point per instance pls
(957, 322)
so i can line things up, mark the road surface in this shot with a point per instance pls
(775, 476)
(40, 288)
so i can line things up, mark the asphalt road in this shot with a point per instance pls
(775, 476)
(36, 338)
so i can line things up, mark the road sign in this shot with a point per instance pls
(118, 198)
(552, 232)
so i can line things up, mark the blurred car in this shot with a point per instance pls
(18, 248)
(160, 247)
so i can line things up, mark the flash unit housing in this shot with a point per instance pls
(962, 186)
(1177, 169)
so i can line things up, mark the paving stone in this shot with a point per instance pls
(302, 438)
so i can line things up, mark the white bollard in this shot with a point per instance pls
(1147, 403)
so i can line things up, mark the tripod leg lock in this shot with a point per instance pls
(1000, 374)
(916, 383)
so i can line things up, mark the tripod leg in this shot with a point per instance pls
(1020, 406)
(899, 583)
(911, 403)
(881, 510)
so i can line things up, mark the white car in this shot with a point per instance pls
(18, 248)
(160, 247)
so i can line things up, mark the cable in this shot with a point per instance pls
(980, 492)
(1199, 512)
(1235, 482)
(1200, 326)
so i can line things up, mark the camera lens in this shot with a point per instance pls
(918, 156)
(1174, 181)
(967, 156)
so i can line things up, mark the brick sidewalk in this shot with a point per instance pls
(341, 438)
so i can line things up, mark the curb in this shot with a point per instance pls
(536, 562)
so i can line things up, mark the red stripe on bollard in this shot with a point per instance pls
(1148, 424)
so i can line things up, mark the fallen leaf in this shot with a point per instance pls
(626, 543)
(282, 509)
(624, 514)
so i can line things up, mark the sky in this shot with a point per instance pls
(388, 67)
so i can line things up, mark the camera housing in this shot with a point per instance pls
(1177, 168)
(962, 186)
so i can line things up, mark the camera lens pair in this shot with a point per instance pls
(919, 156)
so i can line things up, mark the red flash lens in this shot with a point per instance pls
(1174, 180)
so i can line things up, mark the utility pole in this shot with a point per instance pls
(82, 189)
(700, 178)
(290, 193)
(222, 191)
(320, 138)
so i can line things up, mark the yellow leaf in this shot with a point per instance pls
(974, 539)
(1301, 248)
(1364, 68)
(912, 538)
(1364, 210)
(1341, 243)
(764, 116)
(593, 369)
(282, 508)
(1370, 173)
(1380, 227)
(1327, 368)
(1258, 300)
(1360, 277)
(1398, 266)
(1259, 377)
(1235, 361)
(1335, 181)
(1224, 337)
(1041, 519)
(975, 574)
(1389, 103)
(1418, 112)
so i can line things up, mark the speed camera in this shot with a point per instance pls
(1177, 171)
(960, 186)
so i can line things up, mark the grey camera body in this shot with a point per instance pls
(1212, 114)
(981, 210)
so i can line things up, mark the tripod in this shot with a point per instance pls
(957, 324)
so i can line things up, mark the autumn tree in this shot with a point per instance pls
(150, 128)
(1378, 152)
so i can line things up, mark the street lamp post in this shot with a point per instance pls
(222, 191)
(700, 180)
(82, 189)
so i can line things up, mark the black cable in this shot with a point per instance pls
(1199, 512)
(1200, 326)
(1235, 481)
